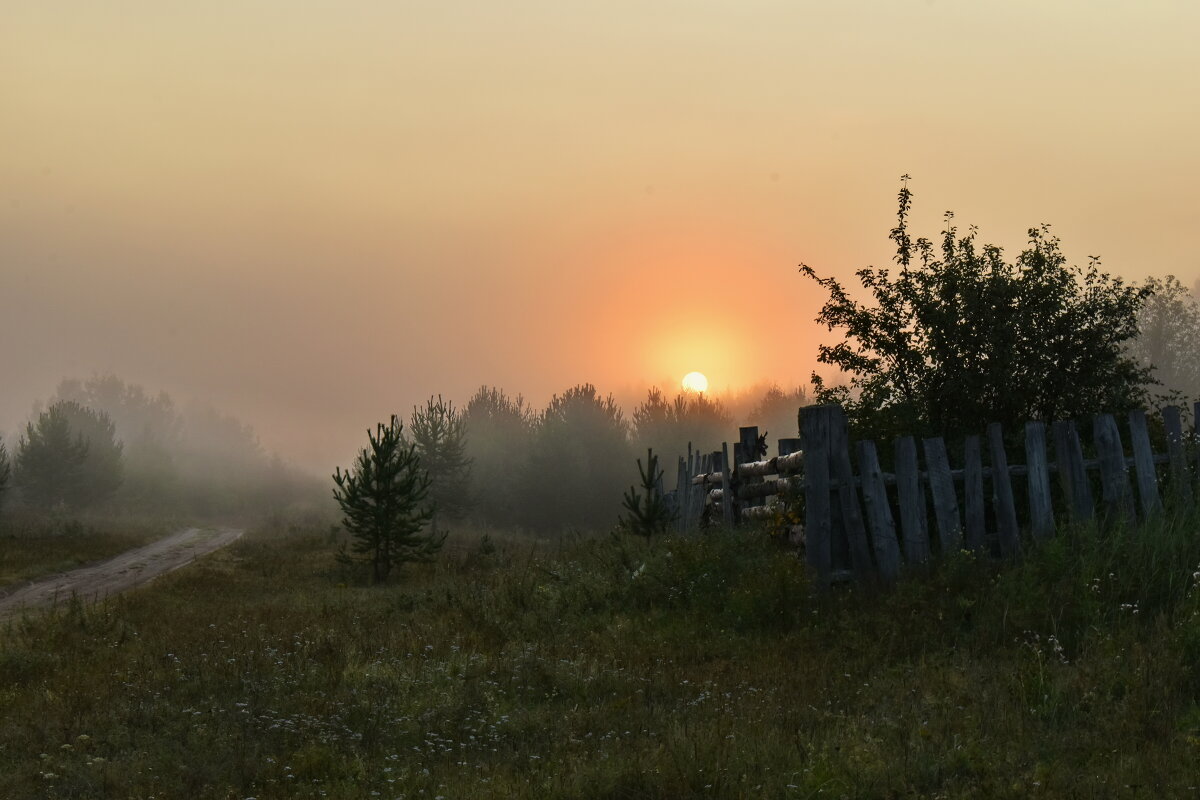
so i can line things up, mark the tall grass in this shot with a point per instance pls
(609, 667)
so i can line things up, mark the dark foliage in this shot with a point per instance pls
(959, 337)
(438, 431)
(69, 456)
(670, 426)
(383, 500)
(647, 513)
(498, 430)
(578, 455)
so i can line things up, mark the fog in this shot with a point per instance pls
(311, 217)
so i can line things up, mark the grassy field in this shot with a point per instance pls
(609, 668)
(36, 545)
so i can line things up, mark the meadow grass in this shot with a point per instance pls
(613, 667)
(34, 545)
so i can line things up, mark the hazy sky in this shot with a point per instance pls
(314, 213)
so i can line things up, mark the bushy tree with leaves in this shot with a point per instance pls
(383, 499)
(646, 511)
(958, 336)
(438, 431)
(70, 456)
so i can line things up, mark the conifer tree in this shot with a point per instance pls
(648, 512)
(384, 500)
(439, 432)
(5, 472)
(50, 460)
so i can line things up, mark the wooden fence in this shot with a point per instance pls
(850, 517)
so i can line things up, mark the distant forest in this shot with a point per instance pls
(102, 444)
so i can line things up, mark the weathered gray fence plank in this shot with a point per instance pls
(683, 491)
(749, 440)
(1002, 495)
(973, 495)
(726, 486)
(852, 517)
(912, 502)
(1181, 476)
(879, 513)
(945, 502)
(1143, 462)
(1114, 475)
(814, 427)
(1068, 451)
(1041, 509)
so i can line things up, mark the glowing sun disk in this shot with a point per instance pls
(695, 382)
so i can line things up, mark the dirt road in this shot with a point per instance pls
(130, 569)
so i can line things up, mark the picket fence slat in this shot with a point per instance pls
(852, 518)
(912, 502)
(818, 518)
(976, 531)
(1002, 495)
(1041, 510)
(1114, 475)
(1143, 462)
(879, 513)
(941, 486)
(726, 486)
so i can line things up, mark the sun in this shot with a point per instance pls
(695, 382)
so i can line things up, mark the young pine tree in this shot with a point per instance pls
(439, 432)
(5, 472)
(384, 500)
(647, 511)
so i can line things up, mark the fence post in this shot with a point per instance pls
(1114, 475)
(1068, 453)
(912, 502)
(1041, 509)
(1181, 479)
(879, 512)
(726, 486)
(814, 427)
(749, 441)
(1143, 462)
(683, 491)
(941, 486)
(973, 495)
(1002, 495)
(852, 518)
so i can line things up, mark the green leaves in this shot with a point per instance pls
(962, 338)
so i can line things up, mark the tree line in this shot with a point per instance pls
(102, 443)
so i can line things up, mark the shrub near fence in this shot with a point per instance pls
(850, 516)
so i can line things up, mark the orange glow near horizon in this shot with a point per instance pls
(313, 215)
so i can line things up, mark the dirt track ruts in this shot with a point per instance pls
(125, 571)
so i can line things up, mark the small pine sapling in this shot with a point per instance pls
(384, 502)
(648, 512)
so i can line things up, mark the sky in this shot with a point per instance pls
(314, 214)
